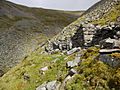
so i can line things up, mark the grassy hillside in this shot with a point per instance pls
(92, 73)
(23, 29)
(100, 75)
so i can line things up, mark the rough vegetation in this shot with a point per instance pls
(84, 56)
(92, 73)
(31, 67)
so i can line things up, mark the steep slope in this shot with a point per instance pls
(23, 29)
(74, 65)
(39, 69)
(80, 33)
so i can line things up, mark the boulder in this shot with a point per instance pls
(68, 78)
(105, 51)
(109, 43)
(71, 64)
(73, 51)
(53, 85)
(44, 69)
(116, 44)
(41, 88)
(106, 58)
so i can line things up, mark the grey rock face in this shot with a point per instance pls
(44, 68)
(104, 33)
(13, 45)
(109, 50)
(73, 50)
(53, 85)
(66, 42)
(110, 43)
(71, 64)
(91, 35)
(109, 60)
(99, 9)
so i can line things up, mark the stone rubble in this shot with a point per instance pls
(73, 50)
(75, 62)
(83, 34)
(110, 43)
(44, 69)
(87, 35)
(53, 85)
(72, 72)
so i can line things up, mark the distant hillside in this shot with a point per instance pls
(84, 56)
(23, 29)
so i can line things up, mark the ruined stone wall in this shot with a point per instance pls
(81, 32)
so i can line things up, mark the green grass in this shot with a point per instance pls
(13, 80)
(93, 74)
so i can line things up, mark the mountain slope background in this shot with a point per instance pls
(23, 29)
(93, 71)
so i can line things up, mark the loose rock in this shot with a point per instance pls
(71, 64)
(73, 51)
(53, 85)
(72, 72)
(44, 69)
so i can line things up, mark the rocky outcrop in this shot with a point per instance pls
(98, 10)
(75, 62)
(107, 59)
(91, 69)
(53, 85)
(59, 84)
(107, 31)
(73, 50)
(109, 51)
(83, 33)
(91, 35)
(110, 43)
